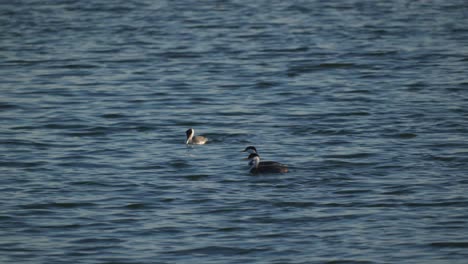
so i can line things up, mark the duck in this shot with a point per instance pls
(194, 140)
(253, 150)
(257, 168)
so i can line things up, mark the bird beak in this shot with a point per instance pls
(245, 158)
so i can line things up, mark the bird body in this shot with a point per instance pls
(257, 168)
(194, 140)
(253, 150)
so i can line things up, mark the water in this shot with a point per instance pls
(365, 100)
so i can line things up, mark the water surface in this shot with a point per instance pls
(365, 101)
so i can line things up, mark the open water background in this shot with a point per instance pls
(367, 101)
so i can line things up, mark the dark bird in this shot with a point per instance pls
(256, 167)
(253, 150)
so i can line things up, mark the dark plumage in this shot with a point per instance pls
(257, 168)
(253, 150)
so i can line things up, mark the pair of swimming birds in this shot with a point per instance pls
(255, 165)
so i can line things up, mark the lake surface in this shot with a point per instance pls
(366, 101)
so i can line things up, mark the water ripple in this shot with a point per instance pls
(365, 101)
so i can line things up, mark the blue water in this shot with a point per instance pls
(366, 101)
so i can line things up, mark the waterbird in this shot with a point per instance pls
(195, 140)
(256, 167)
(253, 150)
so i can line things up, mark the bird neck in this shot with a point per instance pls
(254, 163)
(189, 138)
